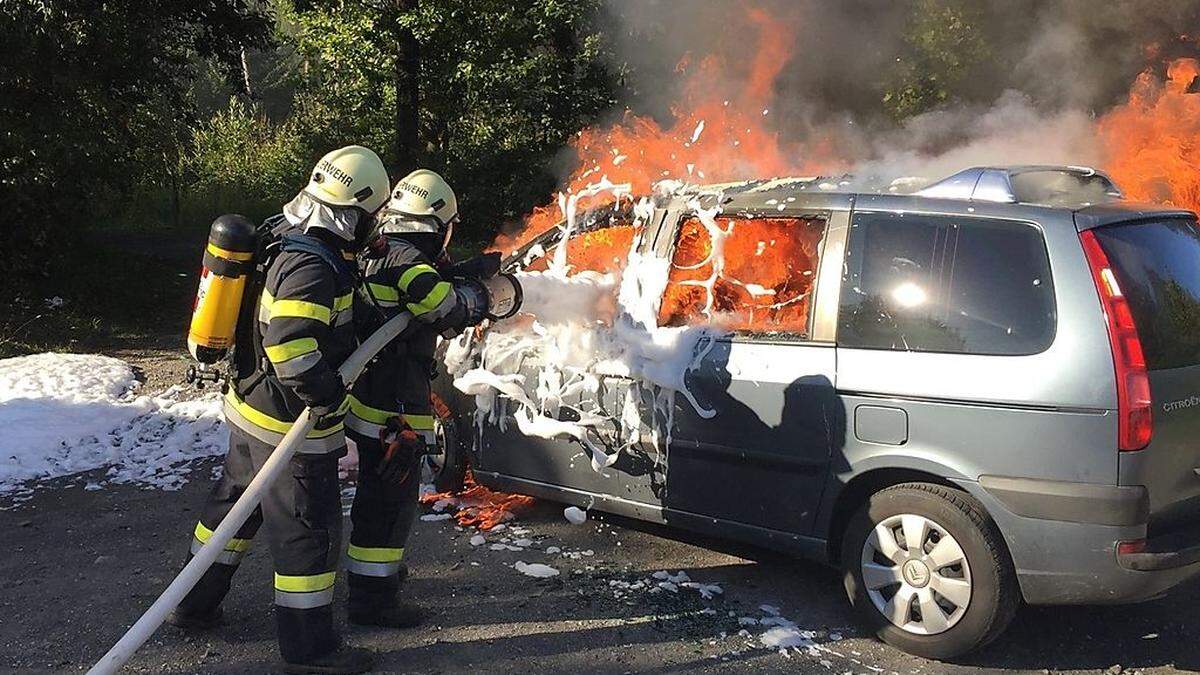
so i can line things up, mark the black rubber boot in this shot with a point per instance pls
(181, 618)
(397, 614)
(200, 609)
(375, 601)
(344, 661)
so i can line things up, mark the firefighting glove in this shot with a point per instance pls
(401, 447)
(482, 266)
(331, 410)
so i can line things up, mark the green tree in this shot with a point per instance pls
(97, 96)
(243, 162)
(944, 45)
(499, 89)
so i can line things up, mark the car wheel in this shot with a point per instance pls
(447, 467)
(927, 570)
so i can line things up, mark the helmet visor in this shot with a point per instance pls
(449, 232)
(398, 222)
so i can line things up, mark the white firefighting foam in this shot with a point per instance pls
(63, 414)
(582, 328)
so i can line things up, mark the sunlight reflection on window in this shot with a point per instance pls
(909, 294)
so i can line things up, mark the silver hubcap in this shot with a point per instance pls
(437, 461)
(916, 574)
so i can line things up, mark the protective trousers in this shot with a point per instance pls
(382, 518)
(383, 511)
(303, 518)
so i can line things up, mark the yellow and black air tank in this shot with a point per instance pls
(228, 263)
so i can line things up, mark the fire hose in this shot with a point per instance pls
(141, 631)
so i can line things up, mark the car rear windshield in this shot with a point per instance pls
(1157, 264)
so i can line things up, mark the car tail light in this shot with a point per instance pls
(1128, 547)
(1135, 422)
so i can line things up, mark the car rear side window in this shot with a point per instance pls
(1157, 265)
(946, 284)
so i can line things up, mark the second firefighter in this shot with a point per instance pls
(390, 418)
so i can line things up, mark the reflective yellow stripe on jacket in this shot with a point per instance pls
(431, 301)
(270, 430)
(300, 309)
(291, 349)
(419, 422)
(412, 273)
(366, 420)
(370, 421)
(384, 295)
(365, 412)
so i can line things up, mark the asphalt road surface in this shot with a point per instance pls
(78, 567)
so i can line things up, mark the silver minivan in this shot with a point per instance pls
(981, 394)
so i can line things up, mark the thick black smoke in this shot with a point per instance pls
(1020, 78)
(847, 54)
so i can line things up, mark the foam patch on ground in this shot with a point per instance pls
(62, 414)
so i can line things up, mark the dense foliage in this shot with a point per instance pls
(499, 89)
(95, 96)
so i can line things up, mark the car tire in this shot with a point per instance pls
(449, 468)
(933, 609)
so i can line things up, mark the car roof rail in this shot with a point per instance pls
(1026, 184)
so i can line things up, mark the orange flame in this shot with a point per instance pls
(762, 284)
(601, 251)
(1151, 140)
(481, 507)
(1149, 143)
(715, 135)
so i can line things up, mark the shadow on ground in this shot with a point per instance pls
(116, 291)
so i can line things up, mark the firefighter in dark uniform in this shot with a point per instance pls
(288, 360)
(390, 418)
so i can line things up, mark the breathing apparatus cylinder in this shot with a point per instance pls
(228, 263)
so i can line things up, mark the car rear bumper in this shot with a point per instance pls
(1167, 552)
(1063, 538)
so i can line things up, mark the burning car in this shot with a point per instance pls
(969, 397)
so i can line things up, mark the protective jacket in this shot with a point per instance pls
(397, 276)
(303, 333)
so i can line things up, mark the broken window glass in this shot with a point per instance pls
(602, 250)
(750, 275)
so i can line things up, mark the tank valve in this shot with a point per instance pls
(198, 374)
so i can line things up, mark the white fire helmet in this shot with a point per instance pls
(350, 176)
(344, 181)
(421, 202)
